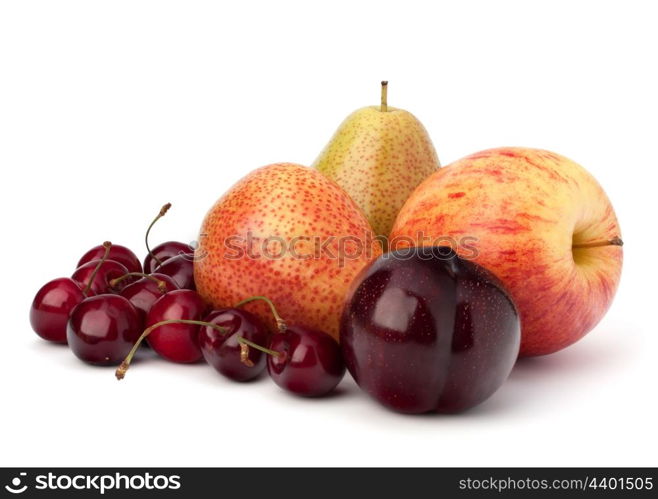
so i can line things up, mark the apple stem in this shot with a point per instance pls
(281, 324)
(162, 286)
(121, 370)
(615, 241)
(244, 351)
(384, 105)
(107, 245)
(161, 214)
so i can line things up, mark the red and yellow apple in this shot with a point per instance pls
(540, 222)
(289, 233)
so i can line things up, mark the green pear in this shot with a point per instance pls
(379, 155)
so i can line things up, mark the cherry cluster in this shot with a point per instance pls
(112, 304)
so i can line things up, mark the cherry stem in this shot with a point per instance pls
(247, 343)
(615, 241)
(107, 245)
(281, 324)
(162, 213)
(162, 286)
(121, 370)
(384, 105)
(244, 355)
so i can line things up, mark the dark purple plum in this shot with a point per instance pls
(424, 330)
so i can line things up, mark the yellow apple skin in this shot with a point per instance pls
(379, 158)
(281, 206)
(527, 210)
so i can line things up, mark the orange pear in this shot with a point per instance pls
(289, 233)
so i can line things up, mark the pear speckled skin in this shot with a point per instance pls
(379, 158)
(303, 210)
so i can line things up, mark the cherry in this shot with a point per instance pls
(176, 342)
(100, 282)
(223, 350)
(305, 361)
(54, 302)
(145, 292)
(118, 253)
(301, 360)
(163, 252)
(52, 306)
(102, 329)
(181, 269)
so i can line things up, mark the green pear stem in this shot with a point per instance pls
(281, 324)
(107, 245)
(121, 370)
(615, 241)
(162, 286)
(162, 213)
(384, 106)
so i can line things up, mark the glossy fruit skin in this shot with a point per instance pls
(304, 209)
(102, 329)
(311, 364)
(51, 307)
(181, 269)
(117, 253)
(424, 330)
(177, 342)
(222, 351)
(144, 293)
(108, 271)
(164, 252)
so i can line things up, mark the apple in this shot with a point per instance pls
(540, 222)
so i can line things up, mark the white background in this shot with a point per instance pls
(110, 109)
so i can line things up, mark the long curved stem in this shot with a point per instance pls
(161, 214)
(121, 370)
(281, 324)
(107, 245)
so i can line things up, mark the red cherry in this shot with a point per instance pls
(176, 342)
(52, 306)
(223, 350)
(117, 253)
(145, 292)
(100, 283)
(163, 252)
(301, 360)
(181, 269)
(102, 329)
(305, 361)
